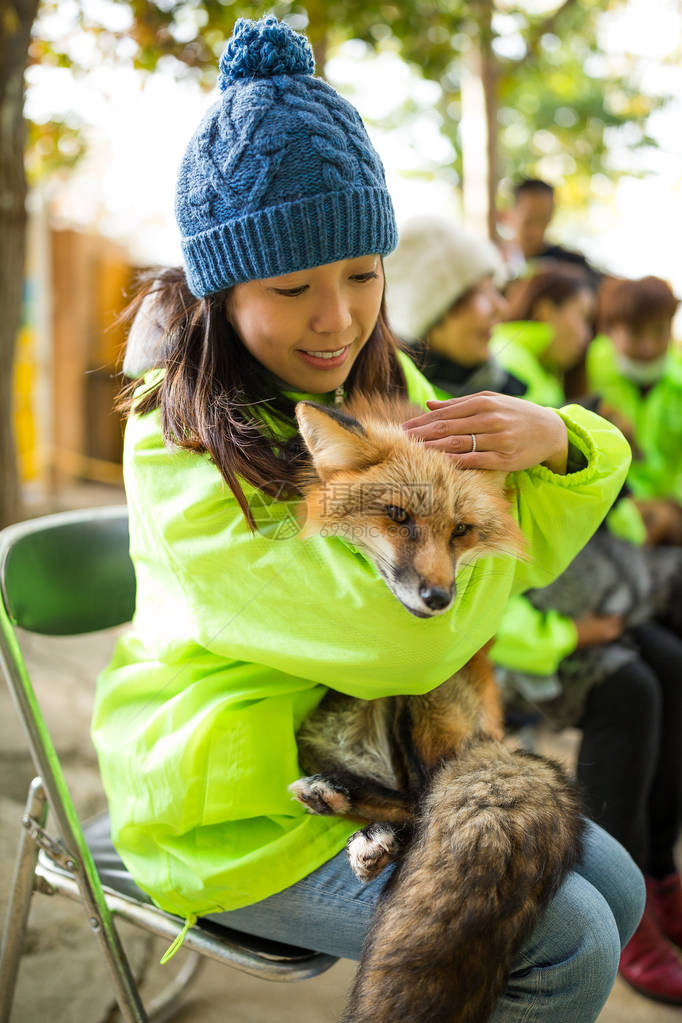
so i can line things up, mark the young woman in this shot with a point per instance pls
(284, 217)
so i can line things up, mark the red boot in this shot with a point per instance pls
(665, 898)
(650, 964)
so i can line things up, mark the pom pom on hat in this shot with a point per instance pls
(434, 265)
(263, 49)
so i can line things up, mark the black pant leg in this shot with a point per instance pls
(618, 754)
(662, 651)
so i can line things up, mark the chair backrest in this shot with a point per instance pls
(68, 573)
(64, 574)
(61, 574)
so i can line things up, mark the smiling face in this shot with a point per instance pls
(309, 326)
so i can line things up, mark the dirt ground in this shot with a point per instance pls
(62, 978)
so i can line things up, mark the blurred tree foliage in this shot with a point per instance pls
(554, 102)
(57, 144)
(562, 103)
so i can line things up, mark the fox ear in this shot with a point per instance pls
(495, 480)
(498, 478)
(335, 440)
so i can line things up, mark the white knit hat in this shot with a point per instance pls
(434, 265)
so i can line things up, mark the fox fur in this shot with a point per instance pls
(482, 834)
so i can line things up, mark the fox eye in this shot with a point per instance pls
(396, 513)
(461, 529)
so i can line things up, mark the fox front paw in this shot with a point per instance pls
(370, 850)
(319, 796)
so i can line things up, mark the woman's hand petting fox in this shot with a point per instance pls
(510, 433)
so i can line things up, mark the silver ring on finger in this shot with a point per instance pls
(473, 441)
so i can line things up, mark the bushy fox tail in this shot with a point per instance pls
(499, 831)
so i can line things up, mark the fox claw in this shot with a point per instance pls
(370, 850)
(320, 797)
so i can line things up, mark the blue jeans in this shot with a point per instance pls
(564, 971)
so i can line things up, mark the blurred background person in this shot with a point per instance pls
(528, 221)
(637, 373)
(547, 328)
(443, 298)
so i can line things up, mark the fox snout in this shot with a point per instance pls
(436, 597)
(422, 597)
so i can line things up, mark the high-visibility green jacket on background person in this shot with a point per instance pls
(531, 640)
(236, 635)
(518, 347)
(535, 641)
(656, 417)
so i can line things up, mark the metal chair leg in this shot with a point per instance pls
(101, 921)
(166, 1005)
(127, 995)
(20, 900)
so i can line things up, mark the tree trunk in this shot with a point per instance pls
(489, 85)
(479, 127)
(317, 31)
(320, 52)
(16, 19)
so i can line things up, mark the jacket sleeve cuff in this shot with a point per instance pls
(582, 452)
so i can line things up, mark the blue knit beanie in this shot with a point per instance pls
(280, 174)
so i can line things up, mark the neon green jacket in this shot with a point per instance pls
(655, 416)
(235, 637)
(535, 641)
(518, 346)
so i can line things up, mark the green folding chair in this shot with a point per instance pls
(69, 574)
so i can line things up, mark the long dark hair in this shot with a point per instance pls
(212, 387)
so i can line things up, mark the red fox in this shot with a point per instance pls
(483, 834)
